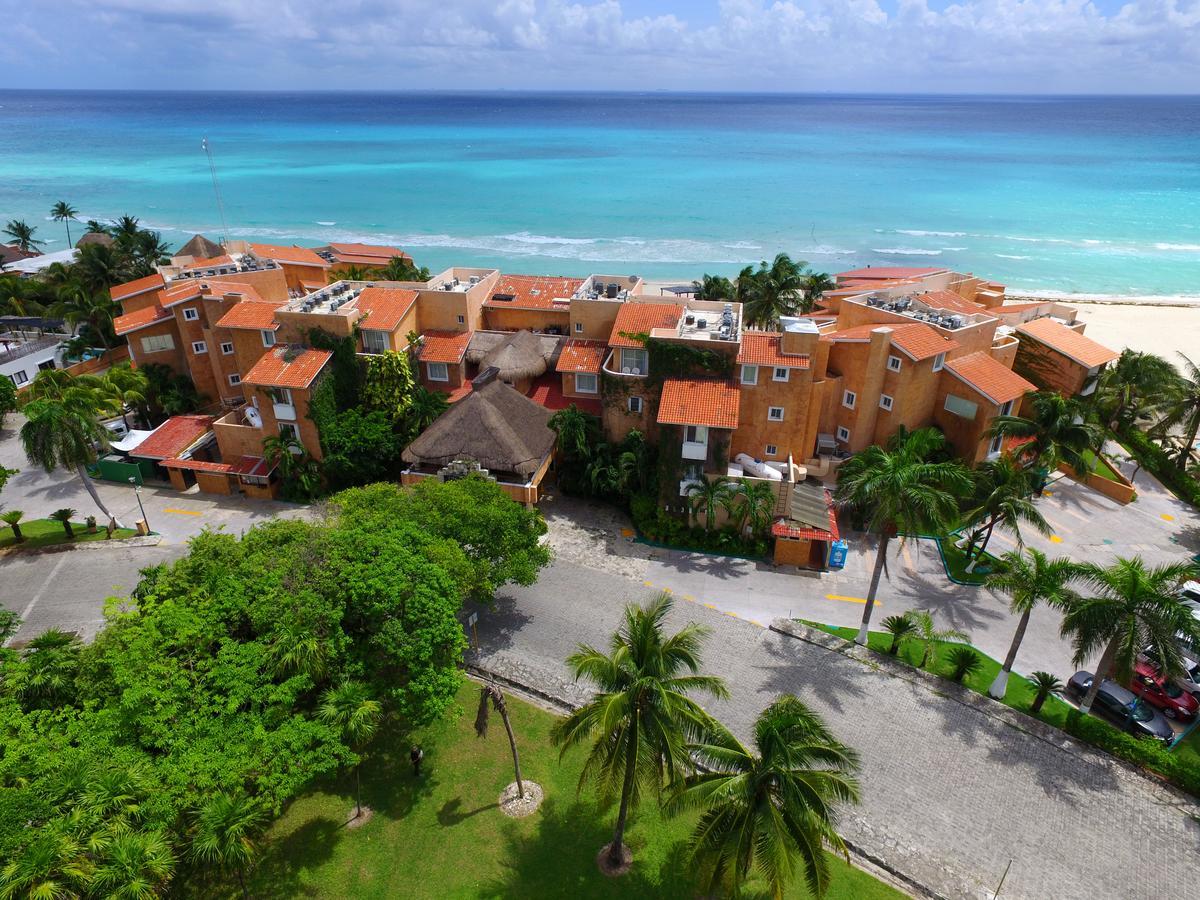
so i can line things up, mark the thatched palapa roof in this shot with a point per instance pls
(94, 237)
(517, 355)
(200, 247)
(495, 425)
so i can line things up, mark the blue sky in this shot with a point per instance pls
(1013, 46)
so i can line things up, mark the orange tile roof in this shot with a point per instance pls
(639, 318)
(532, 291)
(215, 286)
(366, 254)
(762, 348)
(698, 401)
(918, 340)
(1070, 344)
(582, 356)
(213, 261)
(287, 366)
(951, 301)
(990, 377)
(188, 289)
(258, 315)
(297, 256)
(385, 307)
(173, 436)
(140, 319)
(879, 273)
(138, 286)
(444, 346)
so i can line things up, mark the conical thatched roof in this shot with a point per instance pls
(494, 425)
(517, 356)
(200, 247)
(94, 237)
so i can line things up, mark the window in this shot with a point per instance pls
(235, 379)
(849, 398)
(886, 402)
(281, 395)
(375, 341)
(771, 450)
(226, 347)
(635, 362)
(462, 321)
(45, 365)
(268, 338)
(958, 406)
(437, 371)
(585, 383)
(781, 374)
(288, 432)
(749, 374)
(157, 342)
(939, 361)
(696, 434)
(634, 405)
(995, 445)
(843, 433)
(894, 363)
(775, 413)
(19, 377)
(199, 347)
(191, 314)
(1007, 408)
(579, 328)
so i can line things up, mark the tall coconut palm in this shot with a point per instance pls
(774, 808)
(713, 287)
(1029, 578)
(20, 297)
(899, 491)
(1134, 607)
(134, 865)
(52, 866)
(64, 212)
(129, 387)
(1181, 412)
(815, 286)
(22, 234)
(773, 291)
(492, 698)
(1002, 495)
(1132, 386)
(95, 310)
(641, 719)
(707, 496)
(226, 828)
(1056, 432)
(351, 709)
(100, 267)
(63, 434)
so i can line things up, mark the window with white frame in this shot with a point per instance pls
(771, 450)
(843, 433)
(886, 402)
(199, 347)
(939, 361)
(191, 314)
(375, 341)
(268, 338)
(579, 328)
(894, 363)
(437, 371)
(586, 383)
(157, 342)
(995, 445)
(849, 398)
(749, 374)
(288, 432)
(281, 395)
(462, 321)
(1007, 408)
(235, 379)
(635, 404)
(961, 407)
(695, 434)
(19, 377)
(781, 374)
(226, 347)
(635, 361)
(775, 413)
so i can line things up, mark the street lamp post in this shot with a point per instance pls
(138, 491)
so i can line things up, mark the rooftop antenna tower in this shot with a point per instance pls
(212, 167)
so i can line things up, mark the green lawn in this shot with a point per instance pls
(444, 837)
(44, 532)
(956, 562)
(1100, 466)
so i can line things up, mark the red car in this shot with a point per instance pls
(1174, 702)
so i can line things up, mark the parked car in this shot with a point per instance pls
(1149, 684)
(1190, 593)
(1189, 680)
(1122, 708)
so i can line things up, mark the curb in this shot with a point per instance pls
(978, 702)
(149, 540)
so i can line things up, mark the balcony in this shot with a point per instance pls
(612, 366)
(284, 411)
(695, 450)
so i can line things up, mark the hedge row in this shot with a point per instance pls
(1156, 461)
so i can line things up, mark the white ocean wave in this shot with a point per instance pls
(954, 249)
(1012, 256)
(319, 222)
(525, 237)
(918, 233)
(905, 251)
(1181, 248)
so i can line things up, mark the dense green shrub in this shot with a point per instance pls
(1149, 754)
(660, 527)
(1156, 461)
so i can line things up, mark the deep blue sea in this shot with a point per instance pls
(1091, 195)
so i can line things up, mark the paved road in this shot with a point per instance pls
(950, 793)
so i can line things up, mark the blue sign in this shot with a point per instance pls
(837, 554)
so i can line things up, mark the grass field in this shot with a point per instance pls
(956, 562)
(44, 532)
(443, 836)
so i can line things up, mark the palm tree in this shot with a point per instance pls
(1002, 493)
(135, 865)
(94, 227)
(491, 697)
(96, 311)
(296, 466)
(51, 663)
(226, 826)
(22, 234)
(929, 635)
(773, 291)
(402, 268)
(12, 518)
(1029, 578)
(61, 433)
(815, 286)
(757, 506)
(1134, 608)
(351, 709)
(574, 430)
(705, 496)
(733, 501)
(424, 409)
(99, 268)
(1057, 432)
(1181, 410)
(64, 212)
(129, 387)
(64, 515)
(766, 808)
(1132, 386)
(899, 627)
(963, 662)
(19, 297)
(1045, 684)
(897, 490)
(299, 650)
(713, 287)
(641, 719)
(53, 866)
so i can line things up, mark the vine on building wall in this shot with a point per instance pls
(347, 370)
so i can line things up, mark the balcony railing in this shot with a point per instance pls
(695, 450)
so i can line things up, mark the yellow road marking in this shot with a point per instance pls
(184, 512)
(665, 590)
(710, 605)
(1167, 517)
(626, 532)
(648, 583)
(849, 599)
(1055, 539)
(754, 622)
(689, 597)
(732, 614)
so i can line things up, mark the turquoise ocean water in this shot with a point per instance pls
(1073, 195)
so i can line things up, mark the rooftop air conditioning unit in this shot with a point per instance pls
(475, 279)
(702, 323)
